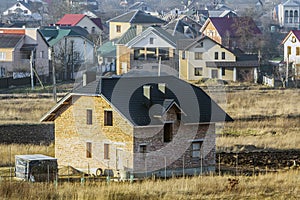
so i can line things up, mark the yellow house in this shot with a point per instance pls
(120, 24)
(205, 58)
(141, 126)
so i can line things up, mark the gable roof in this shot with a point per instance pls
(10, 40)
(137, 17)
(296, 33)
(98, 22)
(125, 95)
(178, 25)
(55, 34)
(157, 31)
(229, 25)
(70, 19)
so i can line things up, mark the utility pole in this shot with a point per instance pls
(287, 72)
(31, 70)
(53, 75)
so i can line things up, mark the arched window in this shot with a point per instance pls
(286, 13)
(296, 16)
(291, 13)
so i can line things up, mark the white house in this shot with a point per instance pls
(21, 7)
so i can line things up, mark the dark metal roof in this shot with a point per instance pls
(138, 17)
(247, 63)
(9, 40)
(126, 95)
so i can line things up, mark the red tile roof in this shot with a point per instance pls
(230, 24)
(70, 19)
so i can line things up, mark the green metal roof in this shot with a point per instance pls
(108, 49)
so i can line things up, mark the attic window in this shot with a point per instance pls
(151, 40)
(93, 29)
(198, 55)
(223, 55)
(118, 28)
(183, 55)
(18, 5)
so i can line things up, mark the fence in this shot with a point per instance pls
(8, 82)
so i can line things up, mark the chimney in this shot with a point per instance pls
(147, 91)
(88, 77)
(162, 87)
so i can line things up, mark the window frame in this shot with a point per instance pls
(216, 55)
(223, 55)
(108, 121)
(118, 28)
(2, 55)
(198, 55)
(89, 149)
(168, 132)
(143, 148)
(200, 73)
(89, 116)
(196, 150)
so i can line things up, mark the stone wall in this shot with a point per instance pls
(27, 133)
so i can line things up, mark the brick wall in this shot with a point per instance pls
(27, 133)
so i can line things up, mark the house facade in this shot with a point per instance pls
(205, 58)
(287, 14)
(233, 32)
(21, 7)
(291, 52)
(19, 47)
(152, 130)
(71, 49)
(139, 47)
(120, 24)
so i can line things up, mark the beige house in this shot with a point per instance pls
(139, 126)
(205, 58)
(120, 24)
(19, 47)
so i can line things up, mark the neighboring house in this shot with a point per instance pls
(120, 24)
(92, 25)
(21, 7)
(140, 5)
(139, 126)
(71, 47)
(107, 56)
(19, 47)
(181, 26)
(291, 48)
(287, 14)
(234, 32)
(139, 48)
(205, 58)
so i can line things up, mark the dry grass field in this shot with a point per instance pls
(283, 185)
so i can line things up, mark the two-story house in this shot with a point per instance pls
(140, 126)
(21, 7)
(291, 48)
(120, 24)
(71, 48)
(140, 48)
(205, 58)
(92, 25)
(233, 32)
(287, 14)
(21, 49)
